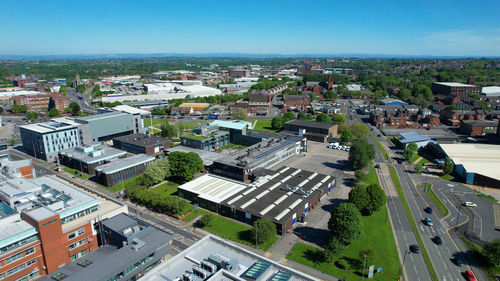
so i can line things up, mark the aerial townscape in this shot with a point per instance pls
(250, 141)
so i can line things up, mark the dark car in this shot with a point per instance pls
(415, 248)
(428, 210)
(459, 261)
(438, 240)
(379, 135)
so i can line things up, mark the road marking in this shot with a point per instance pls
(445, 267)
(444, 278)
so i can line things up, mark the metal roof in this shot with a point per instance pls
(408, 137)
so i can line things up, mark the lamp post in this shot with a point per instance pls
(364, 263)
(402, 265)
(256, 240)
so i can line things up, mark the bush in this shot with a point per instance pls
(207, 220)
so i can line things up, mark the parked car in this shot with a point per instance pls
(428, 210)
(470, 276)
(438, 240)
(428, 221)
(470, 204)
(415, 248)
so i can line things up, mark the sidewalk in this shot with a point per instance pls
(494, 192)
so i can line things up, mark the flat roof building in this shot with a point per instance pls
(454, 89)
(142, 143)
(46, 223)
(475, 163)
(213, 258)
(492, 91)
(122, 169)
(267, 153)
(130, 249)
(315, 131)
(17, 168)
(87, 158)
(409, 137)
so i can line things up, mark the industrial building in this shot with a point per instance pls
(409, 137)
(315, 131)
(267, 153)
(87, 158)
(213, 258)
(130, 249)
(142, 143)
(46, 223)
(45, 140)
(475, 163)
(283, 196)
(122, 169)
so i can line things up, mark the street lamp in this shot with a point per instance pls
(364, 263)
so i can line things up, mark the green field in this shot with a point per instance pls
(423, 161)
(147, 121)
(442, 208)
(264, 125)
(446, 177)
(372, 176)
(378, 236)
(168, 187)
(194, 214)
(237, 232)
(401, 194)
(384, 153)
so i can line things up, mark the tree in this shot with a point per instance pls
(338, 118)
(54, 112)
(62, 89)
(377, 198)
(492, 251)
(75, 109)
(323, 117)
(345, 223)
(418, 167)
(288, 116)
(312, 96)
(183, 165)
(368, 254)
(239, 114)
(359, 197)
(277, 123)
(346, 135)
(158, 170)
(333, 248)
(168, 131)
(80, 88)
(301, 116)
(448, 166)
(360, 154)
(410, 151)
(360, 130)
(16, 109)
(404, 94)
(330, 95)
(263, 230)
(207, 220)
(32, 116)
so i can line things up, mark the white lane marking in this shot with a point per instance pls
(445, 267)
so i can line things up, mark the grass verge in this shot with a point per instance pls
(237, 232)
(378, 236)
(194, 214)
(401, 194)
(76, 173)
(384, 153)
(422, 161)
(414, 158)
(446, 177)
(264, 125)
(442, 208)
(480, 257)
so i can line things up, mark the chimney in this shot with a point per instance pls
(330, 82)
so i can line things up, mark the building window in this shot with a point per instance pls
(78, 255)
(77, 244)
(13, 258)
(76, 234)
(30, 262)
(15, 269)
(29, 251)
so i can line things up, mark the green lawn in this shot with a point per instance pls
(489, 197)
(76, 173)
(372, 176)
(401, 194)
(194, 137)
(234, 146)
(194, 214)
(238, 232)
(423, 161)
(384, 153)
(378, 236)
(479, 256)
(264, 125)
(168, 187)
(147, 121)
(442, 208)
(446, 177)
(414, 158)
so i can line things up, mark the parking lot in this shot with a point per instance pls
(324, 160)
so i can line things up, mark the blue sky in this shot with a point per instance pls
(401, 27)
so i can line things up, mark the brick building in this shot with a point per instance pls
(478, 128)
(46, 223)
(454, 89)
(42, 102)
(239, 72)
(296, 102)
